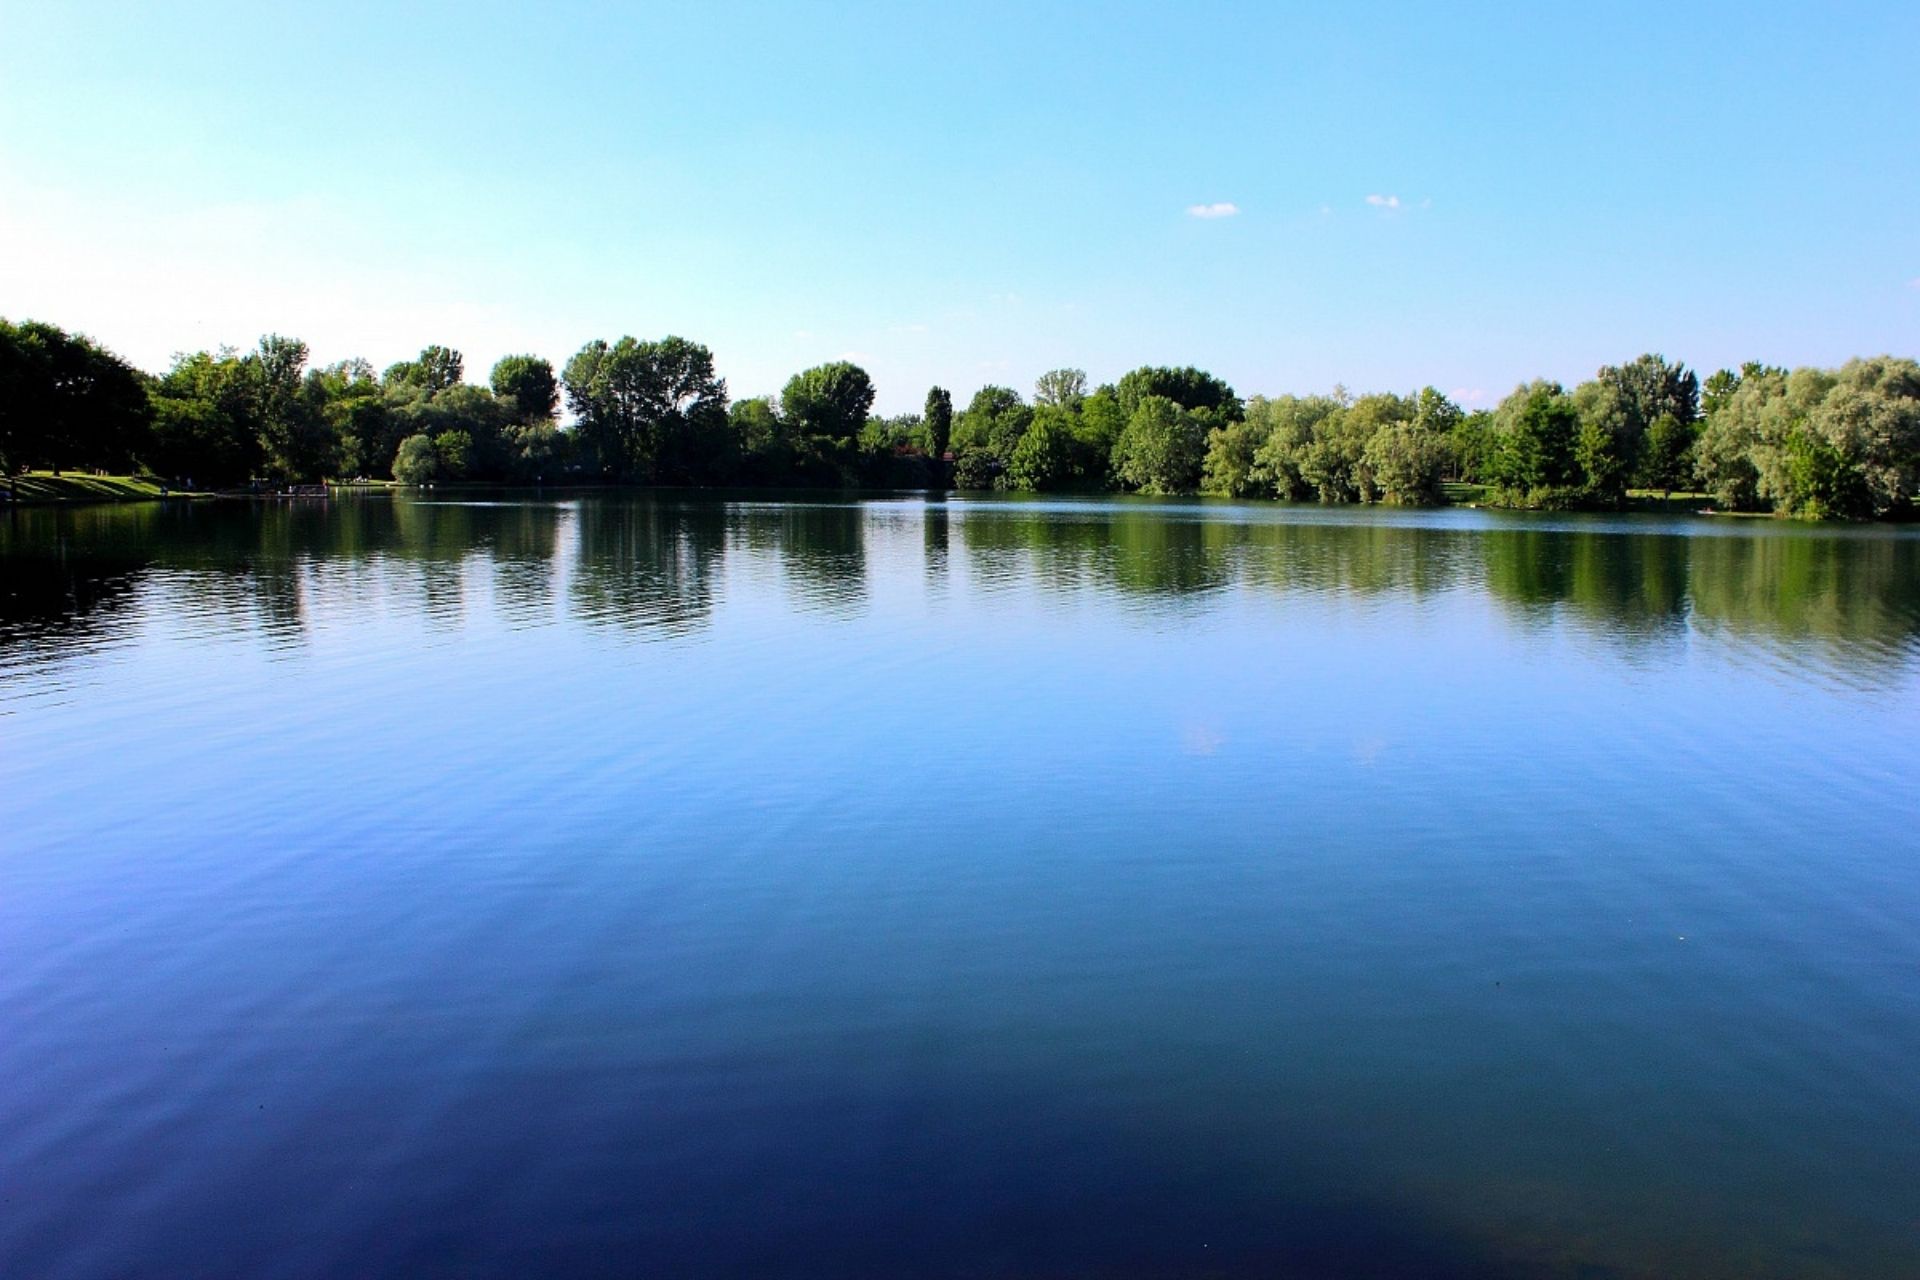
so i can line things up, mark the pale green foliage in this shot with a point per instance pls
(1065, 388)
(1818, 442)
(1285, 427)
(1724, 455)
(1228, 469)
(1404, 463)
(1871, 418)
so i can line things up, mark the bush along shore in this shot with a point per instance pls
(1820, 443)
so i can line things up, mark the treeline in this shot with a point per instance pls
(1812, 442)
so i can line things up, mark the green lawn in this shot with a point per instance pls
(81, 486)
(1460, 493)
(1677, 503)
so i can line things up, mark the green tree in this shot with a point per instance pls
(417, 462)
(1754, 414)
(649, 410)
(830, 401)
(1064, 388)
(1870, 418)
(296, 440)
(1405, 462)
(939, 420)
(439, 368)
(1287, 428)
(1098, 426)
(1190, 388)
(994, 420)
(1228, 468)
(1162, 448)
(454, 452)
(976, 468)
(1666, 461)
(1473, 447)
(1044, 458)
(66, 402)
(206, 421)
(538, 450)
(527, 385)
(1537, 428)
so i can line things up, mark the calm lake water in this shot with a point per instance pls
(970, 888)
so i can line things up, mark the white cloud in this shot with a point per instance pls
(1219, 209)
(1384, 202)
(1468, 396)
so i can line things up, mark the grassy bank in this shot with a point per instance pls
(82, 486)
(1460, 494)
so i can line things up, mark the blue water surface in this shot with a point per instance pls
(661, 885)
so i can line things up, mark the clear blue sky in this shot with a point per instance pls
(974, 193)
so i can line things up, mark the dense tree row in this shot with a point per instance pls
(1811, 442)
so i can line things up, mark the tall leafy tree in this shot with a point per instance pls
(295, 439)
(206, 420)
(67, 402)
(939, 420)
(1162, 448)
(829, 401)
(527, 386)
(650, 410)
(994, 421)
(1538, 429)
(1666, 457)
(1065, 388)
(439, 368)
(1188, 387)
(1405, 461)
(1044, 457)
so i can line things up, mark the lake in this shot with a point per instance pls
(607, 886)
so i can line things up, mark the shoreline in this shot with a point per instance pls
(75, 489)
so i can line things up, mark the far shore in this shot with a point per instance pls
(75, 488)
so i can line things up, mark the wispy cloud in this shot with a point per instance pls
(1220, 209)
(1394, 204)
(1914, 283)
(1468, 396)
